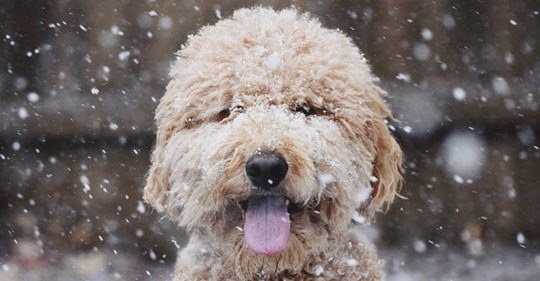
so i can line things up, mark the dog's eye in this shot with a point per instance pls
(304, 109)
(237, 109)
(224, 114)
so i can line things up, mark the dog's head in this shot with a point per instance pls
(272, 136)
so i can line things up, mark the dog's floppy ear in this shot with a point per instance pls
(386, 179)
(386, 176)
(157, 180)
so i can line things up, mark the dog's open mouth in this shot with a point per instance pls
(267, 224)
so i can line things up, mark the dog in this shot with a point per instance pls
(272, 151)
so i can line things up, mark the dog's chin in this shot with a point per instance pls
(286, 263)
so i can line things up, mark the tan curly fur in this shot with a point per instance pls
(236, 89)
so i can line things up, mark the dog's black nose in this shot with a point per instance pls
(266, 170)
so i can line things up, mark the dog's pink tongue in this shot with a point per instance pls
(267, 224)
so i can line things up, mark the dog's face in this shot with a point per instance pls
(272, 138)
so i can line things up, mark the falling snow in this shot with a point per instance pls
(464, 155)
(459, 94)
(124, 55)
(23, 113)
(32, 97)
(427, 34)
(520, 238)
(500, 86)
(80, 87)
(404, 77)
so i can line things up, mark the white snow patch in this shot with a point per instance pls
(358, 218)
(94, 91)
(363, 194)
(351, 262)
(318, 270)
(326, 178)
(273, 61)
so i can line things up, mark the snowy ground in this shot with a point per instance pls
(497, 264)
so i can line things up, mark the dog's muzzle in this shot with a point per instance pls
(266, 220)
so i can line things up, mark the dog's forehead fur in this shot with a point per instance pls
(282, 58)
(260, 59)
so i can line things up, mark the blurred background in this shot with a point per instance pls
(80, 80)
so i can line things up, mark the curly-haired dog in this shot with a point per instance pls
(272, 147)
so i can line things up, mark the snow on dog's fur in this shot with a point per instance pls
(279, 88)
